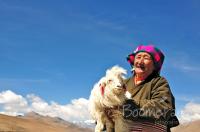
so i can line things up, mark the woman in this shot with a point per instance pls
(152, 105)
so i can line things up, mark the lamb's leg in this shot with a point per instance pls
(99, 127)
(109, 126)
(120, 123)
(104, 120)
(101, 121)
(109, 122)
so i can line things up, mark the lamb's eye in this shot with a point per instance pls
(109, 81)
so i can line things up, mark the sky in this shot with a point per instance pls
(52, 52)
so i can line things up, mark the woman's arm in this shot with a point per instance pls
(161, 104)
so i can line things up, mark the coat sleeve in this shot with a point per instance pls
(161, 104)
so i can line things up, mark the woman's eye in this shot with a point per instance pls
(137, 57)
(147, 58)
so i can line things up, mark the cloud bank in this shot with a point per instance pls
(76, 111)
(190, 112)
(14, 104)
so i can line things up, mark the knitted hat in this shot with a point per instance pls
(156, 54)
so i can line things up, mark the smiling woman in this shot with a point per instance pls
(152, 104)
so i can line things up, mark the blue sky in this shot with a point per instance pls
(58, 50)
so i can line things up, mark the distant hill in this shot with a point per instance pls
(188, 127)
(33, 122)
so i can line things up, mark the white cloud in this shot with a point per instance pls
(9, 97)
(190, 112)
(76, 111)
(14, 104)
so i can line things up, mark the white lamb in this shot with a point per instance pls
(109, 92)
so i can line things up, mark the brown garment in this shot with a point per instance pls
(153, 100)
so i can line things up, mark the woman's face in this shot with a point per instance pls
(143, 64)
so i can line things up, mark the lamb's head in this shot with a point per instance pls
(115, 88)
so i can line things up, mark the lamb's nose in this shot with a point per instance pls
(119, 86)
(124, 86)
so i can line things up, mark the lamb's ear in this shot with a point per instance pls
(123, 73)
(119, 71)
(108, 72)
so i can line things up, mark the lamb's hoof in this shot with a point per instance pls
(104, 128)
